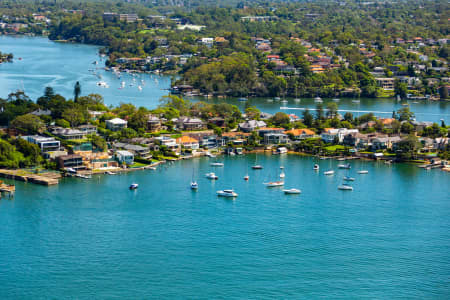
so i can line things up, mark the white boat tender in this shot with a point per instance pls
(330, 172)
(346, 178)
(246, 177)
(216, 164)
(316, 167)
(194, 185)
(282, 175)
(363, 172)
(274, 183)
(211, 176)
(227, 193)
(257, 167)
(345, 187)
(344, 166)
(292, 191)
(134, 186)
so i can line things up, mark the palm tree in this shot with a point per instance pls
(77, 91)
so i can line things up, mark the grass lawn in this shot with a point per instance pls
(137, 165)
(335, 148)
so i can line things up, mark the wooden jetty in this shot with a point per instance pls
(47, 178)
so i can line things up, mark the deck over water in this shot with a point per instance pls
(48, 178)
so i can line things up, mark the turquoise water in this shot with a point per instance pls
(46, 63)
(389, 238)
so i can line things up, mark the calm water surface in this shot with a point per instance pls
(46, 63)
(389, 238)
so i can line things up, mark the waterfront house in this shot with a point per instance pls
(168, 142)
(41, 112)
(153, 123)
(46, 144)
(237, 138)
(218, 121)
(419, 126)
(87, 129)
(300, 134)
(267, 130)
(116, 124)
(385, 143)
(386, 84)
(124, 157)
(68, 133)
(275, 138)
(137, 150)
(251, 125)
(188, 142)
(74, 161)
(187, 123)
(205, 138)
(95, 114)
(329, 135)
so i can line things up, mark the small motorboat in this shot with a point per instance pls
(246, 177)
(284, 101)
(292, 191)
(330, 172)
(257, 167)
(356, 101)
(111, 173)
(134, 186)
(345, 187)
(274, 183)
(282, 175)
(297, 100)
(83, 176)
(277, 98)
(347, 178)
(242, 99)
(227, 193)
(102, 84)
(344, 166)
(316, 167)
(363, 172)
(336, 99)
(212, 176)
(194, 185)
(216, 164)
(318, 100)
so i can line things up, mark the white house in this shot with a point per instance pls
(116, 124)
(124, 156)
(329, 134)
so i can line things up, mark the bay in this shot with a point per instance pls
(387, 239)
(46, 63)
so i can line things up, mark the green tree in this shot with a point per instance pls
(405, 114)
(76, 91)
(74, 116)
(400, 88)
(280, 118)
(307, 118)
(28, 123)
(332, 109)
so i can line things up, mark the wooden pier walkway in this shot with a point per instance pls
(48, 178)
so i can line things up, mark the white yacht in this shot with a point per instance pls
(257, 167)
(194, 185)
(318, 100)
(336, 100)
(345, 187)
(316, 167)
(347, 178)
(216, 164)
(297, 100)
(227, 193)
(344, 166)
(363, 172)
(134, 186)
(292, 191)
(212, 176)
(330, 172)
(274, 183)
(282, 175)
(102, 84)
